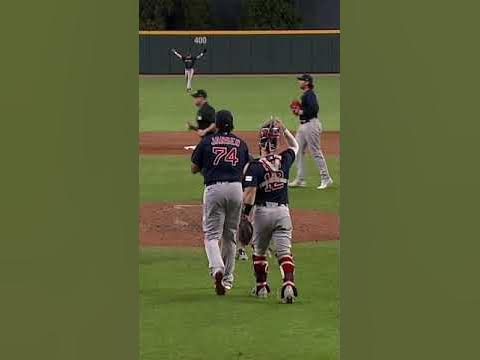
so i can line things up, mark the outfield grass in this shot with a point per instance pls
(168, 178)
(165, 106)
(182, 318)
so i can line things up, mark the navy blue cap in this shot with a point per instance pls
(306, 77)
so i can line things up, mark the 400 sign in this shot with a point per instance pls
(200, 40)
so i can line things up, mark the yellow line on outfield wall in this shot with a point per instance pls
(238, 32)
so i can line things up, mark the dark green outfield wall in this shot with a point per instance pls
(243, 54)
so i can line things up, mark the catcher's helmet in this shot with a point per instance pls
(270, 136)
(224, 121)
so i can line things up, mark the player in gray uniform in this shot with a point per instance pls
(266, 189)
(221, 158)
(308, 135)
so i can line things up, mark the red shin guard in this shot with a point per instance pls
(287, 268)
(260, 266)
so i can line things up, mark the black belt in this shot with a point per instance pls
(304, 121)
(271, 204)
(221, 182)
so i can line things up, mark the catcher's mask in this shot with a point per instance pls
(224, 121)
(270, 136)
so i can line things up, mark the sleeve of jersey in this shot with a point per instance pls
(288, 157)
(248, 156)
(197, 155)
(250, 178)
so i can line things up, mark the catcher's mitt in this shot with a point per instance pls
(295, 105)
(245, 231)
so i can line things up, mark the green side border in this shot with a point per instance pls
(409, 254)
(69, 183)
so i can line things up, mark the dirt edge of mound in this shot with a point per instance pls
(167, 224)
(174, 142)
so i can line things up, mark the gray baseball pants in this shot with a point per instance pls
(189, 77)
(308, 135)
(272, 225)
(222, 206)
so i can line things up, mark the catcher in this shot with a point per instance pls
(205, 115)
(266, 187)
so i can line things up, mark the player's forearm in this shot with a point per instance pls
(249, 195)
(210, 128)
(202, 53)
(291, 141)
(177, 53)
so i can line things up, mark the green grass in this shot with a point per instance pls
(168, 178)
(182, 318)
(165, 106)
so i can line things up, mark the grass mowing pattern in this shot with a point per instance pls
(182, 318)
(166, 106)
(168, 178)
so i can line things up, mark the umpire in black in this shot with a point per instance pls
(205, 114)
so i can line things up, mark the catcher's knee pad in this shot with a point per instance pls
(282, 248)
(260, 266)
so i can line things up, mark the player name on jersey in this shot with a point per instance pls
(225, 140)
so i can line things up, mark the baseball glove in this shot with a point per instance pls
(245, 231)
(190, 126)
(295, 105)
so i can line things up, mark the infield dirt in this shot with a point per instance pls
(164, 224)
(173, 142)
(167, 224)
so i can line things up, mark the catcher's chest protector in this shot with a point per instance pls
(274, 176)
(270, 176)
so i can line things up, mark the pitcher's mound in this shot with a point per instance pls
(165, 224)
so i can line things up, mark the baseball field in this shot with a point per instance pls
(181, 317)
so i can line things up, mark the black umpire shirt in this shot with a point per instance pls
(309, 106)
(205, 116)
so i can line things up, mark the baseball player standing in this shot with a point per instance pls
(221, 157)
(189, 63)
(205, 114)
(308, 134)
(265, 182)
